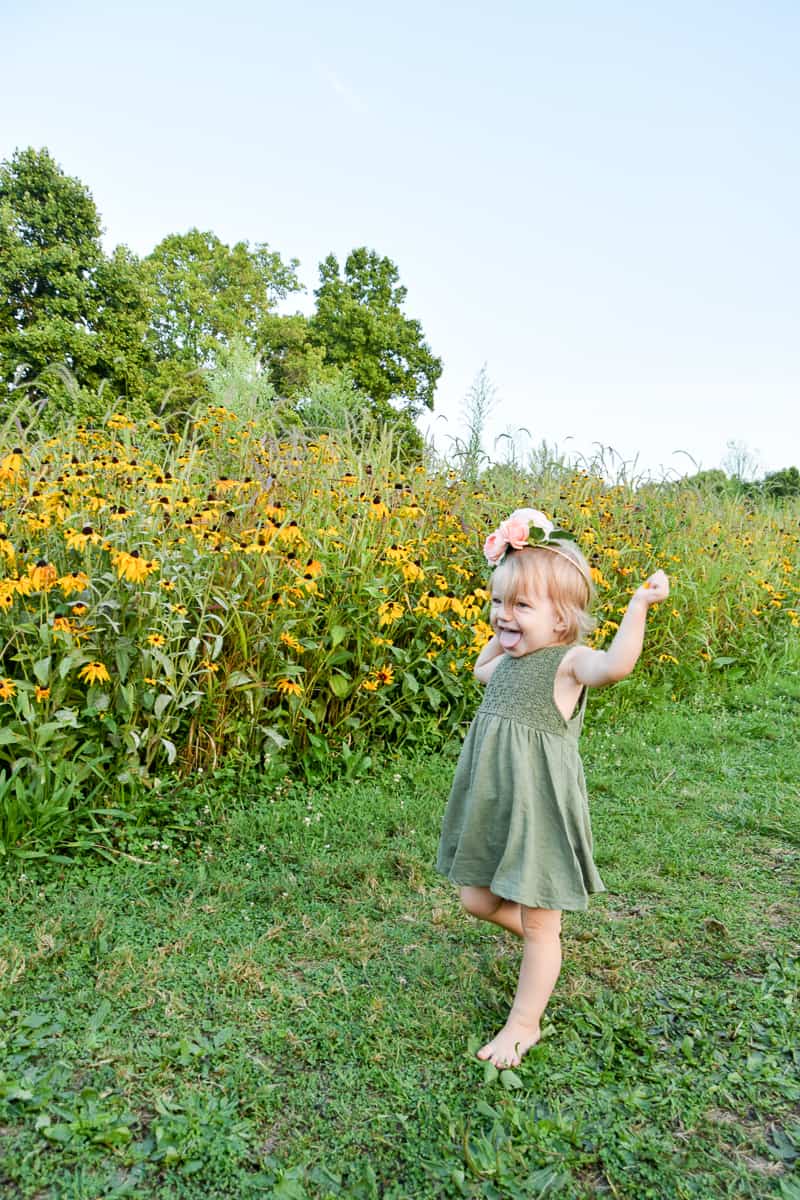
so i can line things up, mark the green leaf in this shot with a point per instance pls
(510, 1080)
(238, 679)
(41, 670)
(123, 660)
(490, 1072)
(410, 683)
(338, 634)
(339, 685)
(57, 1133)
(486, 1110)
(162, 703)
(169, 746)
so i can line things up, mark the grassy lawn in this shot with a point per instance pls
(290, 1006)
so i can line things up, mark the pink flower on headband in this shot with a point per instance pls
(525, 526)
(514, 531)
(494, 547)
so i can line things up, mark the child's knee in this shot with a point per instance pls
(479, 901)
(541, 924)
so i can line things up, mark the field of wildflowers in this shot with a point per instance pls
(170, 601)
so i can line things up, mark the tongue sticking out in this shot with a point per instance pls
(509, 638)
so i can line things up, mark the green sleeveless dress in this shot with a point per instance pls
(517, 820)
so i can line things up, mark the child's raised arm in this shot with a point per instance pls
(487, 660)
(594, 668)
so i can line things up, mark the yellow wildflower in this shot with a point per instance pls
(389, 612)
(76, 581)
(288, 687)
(42, 693)
(156, 639)
(11, 466)
(7, 688)
(94, 672)
(412, 572)
(43, 576)
(132, 566)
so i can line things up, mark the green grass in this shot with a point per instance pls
(286, 1006)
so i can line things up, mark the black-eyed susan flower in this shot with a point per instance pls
(290, 641)
(412, 572)
(385, 675)
(156, 639)
(41, 694)
(94, 672)
(288, 687)
(7, 688)
(132, 566)
(43, 576)
(389, 612)
(11, 466)
(80, 539)
(76, 581)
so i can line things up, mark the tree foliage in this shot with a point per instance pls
(205, 294)
(63, 303)
(92, 329)
(360, 324)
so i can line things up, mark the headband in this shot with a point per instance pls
(528, 527)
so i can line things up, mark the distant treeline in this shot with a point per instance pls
(81, 329)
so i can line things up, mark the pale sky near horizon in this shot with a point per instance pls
(597, 201)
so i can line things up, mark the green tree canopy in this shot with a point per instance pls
(360, 324)
(782, 483)
(63, 303)
(205, 294)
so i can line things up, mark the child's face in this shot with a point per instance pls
(530, 624)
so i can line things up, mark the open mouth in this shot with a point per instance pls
(508, 638)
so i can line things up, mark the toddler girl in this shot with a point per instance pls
(516, 836)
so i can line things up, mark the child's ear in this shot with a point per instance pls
(559, 624)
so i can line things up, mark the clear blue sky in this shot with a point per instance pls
(598, 200)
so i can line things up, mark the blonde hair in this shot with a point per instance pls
(562, 574)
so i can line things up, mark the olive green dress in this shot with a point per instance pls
(517, 820)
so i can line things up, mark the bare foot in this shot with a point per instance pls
(508, 1047)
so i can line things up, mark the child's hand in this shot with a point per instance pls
(656, 588)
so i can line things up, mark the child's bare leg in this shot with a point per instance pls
(482, 903)
(541, 965)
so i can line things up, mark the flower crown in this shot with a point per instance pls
(527, 527)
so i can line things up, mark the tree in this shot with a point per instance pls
(360, 324)
(205, 294)
(290, 359)
(782, 483)
(63, 304)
